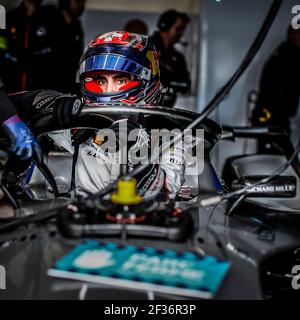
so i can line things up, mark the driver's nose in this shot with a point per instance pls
(111, 87)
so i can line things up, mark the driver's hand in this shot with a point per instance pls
(22, 141)
(66, 109)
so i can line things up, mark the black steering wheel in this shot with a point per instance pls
(100, 116)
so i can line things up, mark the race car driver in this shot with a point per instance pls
(117, 67)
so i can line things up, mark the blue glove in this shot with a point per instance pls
(23, 143)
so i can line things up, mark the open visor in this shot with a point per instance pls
(112, 62)
(91, 84)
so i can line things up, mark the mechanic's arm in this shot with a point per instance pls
(65, 108)
(22, 141)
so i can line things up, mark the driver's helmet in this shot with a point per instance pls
(127, 52)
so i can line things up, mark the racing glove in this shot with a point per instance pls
(22, 141)
(65, 107)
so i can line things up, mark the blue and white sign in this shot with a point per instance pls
(178, 273)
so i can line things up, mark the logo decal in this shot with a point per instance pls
(121, 37)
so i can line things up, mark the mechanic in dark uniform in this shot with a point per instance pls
(31, 36)
(279, 89)
(22, 141)
(174, 72)
(71, 44)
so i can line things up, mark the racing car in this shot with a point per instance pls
(258, 239)
(238, 242)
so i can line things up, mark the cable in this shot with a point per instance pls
(45, 215)
(236, 203)
(241, 192)
(14, 202)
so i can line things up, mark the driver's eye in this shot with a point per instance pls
(101, 82)
(122, 81)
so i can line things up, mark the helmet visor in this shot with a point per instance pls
(112, 62)
(108, 82)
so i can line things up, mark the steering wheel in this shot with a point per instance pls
(98, 117)
(101, 116)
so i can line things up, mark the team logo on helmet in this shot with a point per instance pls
(152, 56)
(133, 40)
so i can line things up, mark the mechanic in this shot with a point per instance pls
(279, 89)
(117, 67)
(21, 142)
(70, 42)
(174, 73)
(31, 47)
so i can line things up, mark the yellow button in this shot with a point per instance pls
(126, 193)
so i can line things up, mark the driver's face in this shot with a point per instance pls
(112, 81)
